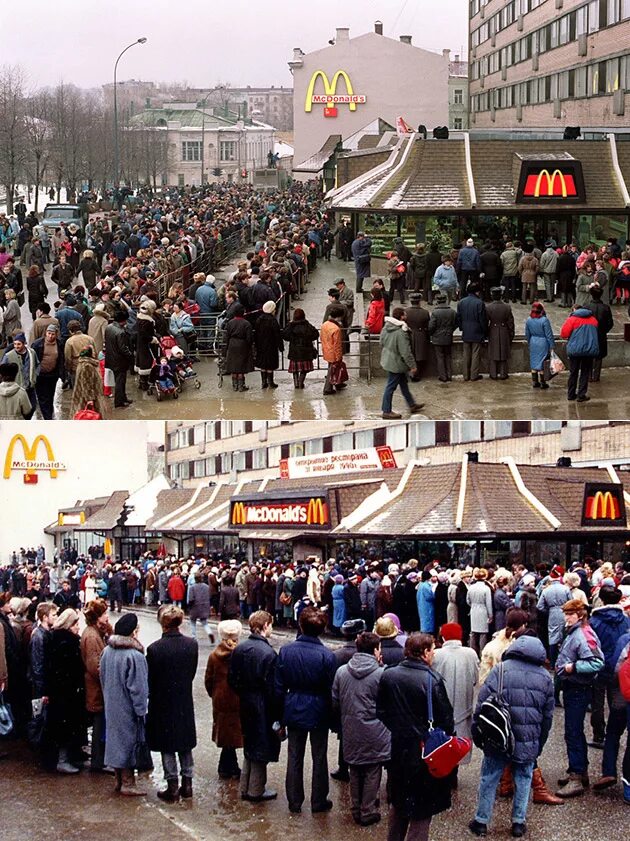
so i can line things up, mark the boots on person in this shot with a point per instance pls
(542, 794)
(235, 382)
(143, 383)
(264, 379)
(185, 790)
(241, 384)
(506, 784)
(118, 778)
(626, 791)
(573, 788)
(128, 786)
(296, 379)
(171, 793)
(64, 766)
(535, 380)
(301, 379)
(270, 381)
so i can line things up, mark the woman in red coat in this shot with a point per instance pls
(375, 317)
(176, 588)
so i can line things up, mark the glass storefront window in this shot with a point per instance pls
(381, 229)
(596, 228)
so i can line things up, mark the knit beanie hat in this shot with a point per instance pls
(65, 620)
(451, 631)
(126, 625)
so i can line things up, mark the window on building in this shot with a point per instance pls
(314, 447)
(397, 436)
(463, 432)
(238, 461)
(521, 427)
(442, 432)
(612, 75)
(458, 123)
(364, 438)
(458, 96)
(342, 442)
(625, 9)
(274, 456)
(199, 468)
(296, 450)
(191, 150)
(380, 437)
(227, 150)
(260, 459)
(199, 434)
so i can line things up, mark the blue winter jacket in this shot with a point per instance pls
(468, 260)
(425, 598)
(539, 337)
(550, 602)
(304, 676)
(580, 330)
(581, 648)
(610, 624)
(207, 298)
(528, 691)
(472, 319)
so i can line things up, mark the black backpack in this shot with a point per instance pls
(492, 728)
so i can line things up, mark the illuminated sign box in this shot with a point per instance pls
(369, 458)
(604, 505)
(330, 98)
(310, 511)
(30, 463)
(551, 181)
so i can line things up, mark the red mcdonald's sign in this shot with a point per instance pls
(603, 505)
(298, 513)
(556, 180)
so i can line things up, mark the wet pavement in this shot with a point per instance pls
(49, 807)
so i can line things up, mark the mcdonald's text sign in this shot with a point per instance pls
(604, 505)
(30, 461)
(551, 181)
(330, 98)
(313, 512)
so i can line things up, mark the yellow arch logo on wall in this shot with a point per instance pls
(330, 98)
(30, 463)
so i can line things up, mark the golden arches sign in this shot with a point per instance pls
(330, 95)
(30, 463)
(551, 180)
(603, 506)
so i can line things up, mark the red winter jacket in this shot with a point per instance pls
(176, 588)
(375, 317)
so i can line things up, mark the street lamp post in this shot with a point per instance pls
(203, 105)
(116, 161)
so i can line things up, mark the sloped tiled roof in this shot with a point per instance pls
(168, 501)
(319, 160)
(106, 517)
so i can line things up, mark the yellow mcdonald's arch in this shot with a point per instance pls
(238, 514)
(316, 514)
(551, 180)
(30, 454)
(604, 507)
(329, 88)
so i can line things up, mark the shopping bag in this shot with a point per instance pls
(6, 716)
(556, 365)
(88, 413)
(338, 373)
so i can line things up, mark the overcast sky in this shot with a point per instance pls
(205, 41)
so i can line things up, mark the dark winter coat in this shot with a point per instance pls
(199, 601)
(402, 707)
(65, 687)
(366, 740)
(392, 652)
(528, 691)
(361, 249)
(418, 324)
(145, 327)
(172, 663)
(89, 268)
(468, 259)
(581, 329)
(303, 679)
(442, 325)
(38, 349)
(610, 624)
(118, 354)
(226, 713)
(301, 335)
(603, 314)
(251, 675)
(565, 269)
(268, 341)
(37, 291)
(472, 318)
(352, 601)
(500, 330)
(239, 340)
(229, 606)
(491, 266)
(125, 692)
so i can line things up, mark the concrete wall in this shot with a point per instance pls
(98, 459)
(398, 79)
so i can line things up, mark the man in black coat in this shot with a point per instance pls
(603, 314)
(252, 676)
(472, 320)
(352, 598)
(118, 357)
(172, 663)
(491, 269)
(500, 334)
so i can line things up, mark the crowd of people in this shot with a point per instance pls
(412, 633)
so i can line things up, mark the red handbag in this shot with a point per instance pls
(338, 373)
(88, 413)
(441, 753)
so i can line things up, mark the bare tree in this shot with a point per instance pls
(13, 144)
(37, 131)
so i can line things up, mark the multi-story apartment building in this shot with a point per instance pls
(458, 95)
(200, 452)
(543, 63)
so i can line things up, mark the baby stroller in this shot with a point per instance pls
(181, 369)
(162, 383)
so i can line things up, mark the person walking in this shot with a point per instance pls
(539, 337)
(269, 344)
(226, 716)
(123, 673)
(527, 690)
(417, 319)
(579, 661)
(397, 360)
(51, 369)
(472, 320)
(401, 704)
(479, 598)
(366, 741)
(301, 335)
(251, 674)
(172, 664)
(303, 680)
(375, 317)
(361, 253)
(581, 332)
(500, 335)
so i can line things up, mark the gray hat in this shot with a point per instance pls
(52, 328)
(441, 298)
(415, 297)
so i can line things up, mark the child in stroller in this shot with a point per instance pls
(162, 380)
(182, 368)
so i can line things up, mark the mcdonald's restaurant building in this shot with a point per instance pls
(487, 185)
(466, 511)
